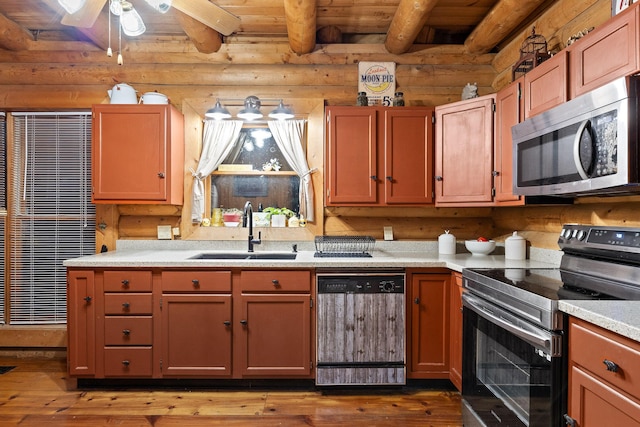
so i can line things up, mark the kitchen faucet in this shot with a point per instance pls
(247, 216)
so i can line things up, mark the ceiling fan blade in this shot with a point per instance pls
(86, 16)
(209, 14)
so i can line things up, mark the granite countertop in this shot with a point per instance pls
(620, 317)
(176, 254)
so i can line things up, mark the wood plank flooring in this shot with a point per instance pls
(37, 392)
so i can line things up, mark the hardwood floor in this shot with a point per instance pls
(37, 392)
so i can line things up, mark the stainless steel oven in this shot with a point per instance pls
(588, 145)
(514, 337)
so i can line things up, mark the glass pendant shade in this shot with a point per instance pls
(218, 112)
(281, 112)
(132, 24)
(72, 6)
(161, 6)
(115, 7)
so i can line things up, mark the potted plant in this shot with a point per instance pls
(278, 216)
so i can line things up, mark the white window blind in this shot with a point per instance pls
(3, 207)
(51, 215)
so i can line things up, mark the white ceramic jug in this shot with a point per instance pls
(515, 247)
(447, 243)
(122, 93)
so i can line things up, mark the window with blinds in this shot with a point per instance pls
(50, 212)
(3, 207)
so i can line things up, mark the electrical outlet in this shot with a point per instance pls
(388, 233)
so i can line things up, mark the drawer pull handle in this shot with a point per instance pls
(390, 178)
(438, 178)
(125, 305)
(243, 322)
(87, 299)
(196, 283)
(569, 421)
(126, 332)
(126, 363)
(227, 323)
(374, 177)
(125, 283)
(275, 282)
(611, 366)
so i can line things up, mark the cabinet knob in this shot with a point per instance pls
(87, 299)
(125, 283)
(161, 174)
(495, 173)
(243, 322)
(416, 301)
(569, 421)
(275, 282)
(374, 177)
(611, 366)
(438, 178)
(196, 283)
(390, 178)
(227, 323)
(126, 362)
(126, 332)
(126, 305)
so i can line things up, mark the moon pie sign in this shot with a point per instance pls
(378, 81)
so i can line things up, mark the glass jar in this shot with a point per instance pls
(398, 100)
(361, 100)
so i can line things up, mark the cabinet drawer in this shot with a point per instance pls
(123, 281)
(275, 280)
(128, 362)
(128, 303)
(196, 281)
(128, 330)
(590, 346)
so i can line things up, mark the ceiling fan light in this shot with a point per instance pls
(72, 6)
(218, 112)
(281, 112)
(130, 20)
(161, 6)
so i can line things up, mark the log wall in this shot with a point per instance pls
(75, 75)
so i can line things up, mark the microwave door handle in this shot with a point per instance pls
(526, 335)
(576, 150)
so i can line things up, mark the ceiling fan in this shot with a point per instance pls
(83, 13)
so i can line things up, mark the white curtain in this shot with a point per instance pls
(289, 135)
(219, 138)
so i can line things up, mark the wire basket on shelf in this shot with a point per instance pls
(344, 246)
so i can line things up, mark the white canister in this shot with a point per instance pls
(515, 247)
(447, 243)
(154, 98)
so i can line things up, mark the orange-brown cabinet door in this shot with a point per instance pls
(351, 145)
(81, 322)
(196, 335)
(408, 176)
(130, 152)
(275, 336)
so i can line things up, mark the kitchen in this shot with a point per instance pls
(539, 224)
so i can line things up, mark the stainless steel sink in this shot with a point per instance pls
(244, 256)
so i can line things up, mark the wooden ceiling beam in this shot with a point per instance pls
(301, 18)
(408, 21)
(13, 36)
(502, 19)
(203, 37)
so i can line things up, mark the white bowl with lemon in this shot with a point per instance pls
(481, 246)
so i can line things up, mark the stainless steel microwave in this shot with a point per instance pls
(586, 146)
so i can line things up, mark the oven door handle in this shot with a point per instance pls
(496, 315)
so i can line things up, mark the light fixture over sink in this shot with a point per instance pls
(251, 110)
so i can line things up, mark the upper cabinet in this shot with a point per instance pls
(464, 152)
(379, 156)
(546, 85)
(138, 154)
(608, 52)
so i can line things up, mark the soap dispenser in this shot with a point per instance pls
(515, 247)
(447, 243)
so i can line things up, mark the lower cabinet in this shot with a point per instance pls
(604, 381)
(428, 324)
(455, 330)
(133, 323)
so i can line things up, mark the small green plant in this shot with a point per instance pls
(278, 211)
